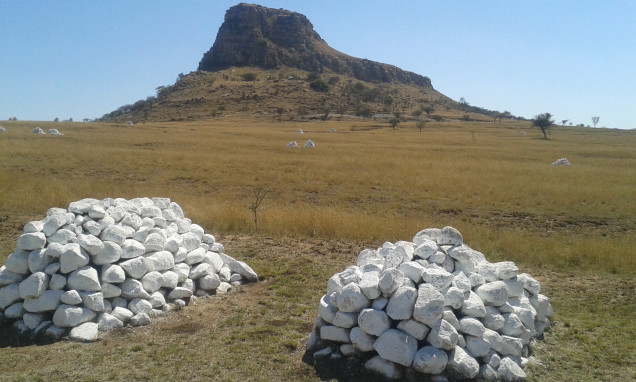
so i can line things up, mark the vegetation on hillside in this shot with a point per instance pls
(253, 92)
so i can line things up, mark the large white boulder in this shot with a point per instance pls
(396, 346)
(49, 300)
(66, 316)
(429, 305)
(73, 258)
(34, 285)
(461, 364)
(84, 279)
(374, 322)
(86, 332)
(430, 360)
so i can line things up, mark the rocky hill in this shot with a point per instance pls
(252, 35)
(272, 63)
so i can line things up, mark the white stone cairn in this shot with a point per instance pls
(102, 264)
(433, 308)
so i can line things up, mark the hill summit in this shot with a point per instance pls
(271, 63)
(253, 35)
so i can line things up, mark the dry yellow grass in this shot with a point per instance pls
(365, 183)
(567, 226)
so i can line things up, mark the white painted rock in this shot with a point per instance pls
(509, 371)
(334, 333)
(159, 261)
(38, 260)
(108, 322)
(401, 303)
(73, 258)
(7, 277)
(93, 300)
(111, 253)
(134, 268)
(112, 273)
(396, 346)
(384, 367)
(429, 305)
(71, 297)
(430, 360)
(209, 282)
(132, 248)
(84, 279)
(69, 316)
(122, 314)
(390, 280)
(374, 322)
(473, 306)
(18, 262)
(91, 244)
(414, 328)
(443, 335)
(461, 364)
(139, 305)
(86, 332)
(369, 285)
(141, 319)
(351, 299)
(34, 285)
(243, 269)
(152, 281)
(132, 288)
(361, 340)
(49, 300)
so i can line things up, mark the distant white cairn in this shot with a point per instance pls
(309, 144)
(54, 132)
(561, 162)
(292, 144)
(37, 130)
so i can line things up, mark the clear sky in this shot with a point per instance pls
(574, 59)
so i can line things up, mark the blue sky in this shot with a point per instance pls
(574, 59)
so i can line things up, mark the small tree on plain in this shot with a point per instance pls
(563, 122)
(595, 120)
(543, 122)
(428, 109)
(394, 122)
(421, 123)
(259, 195)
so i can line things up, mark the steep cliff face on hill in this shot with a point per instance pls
(257, 36)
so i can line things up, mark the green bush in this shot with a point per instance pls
(249, 76)
(319, 85)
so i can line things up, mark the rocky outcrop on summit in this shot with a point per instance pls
(253, 35)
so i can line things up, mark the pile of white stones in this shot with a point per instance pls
(53, 132)
(102, 264)
(561, 162)
(431, 308)
(2, 129)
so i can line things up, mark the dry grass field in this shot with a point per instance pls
(572, 227)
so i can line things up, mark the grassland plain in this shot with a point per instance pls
(572, 227)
